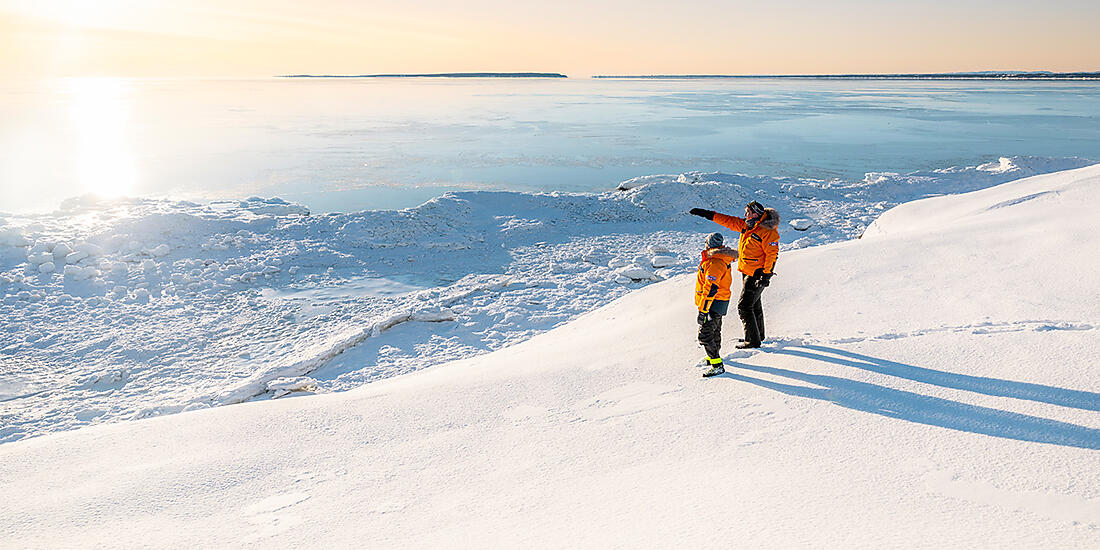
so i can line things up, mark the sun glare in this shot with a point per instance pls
(77, 13)
(100, 118)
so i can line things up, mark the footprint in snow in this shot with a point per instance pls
(629, 399)
(1062, 507)
(263, 514)
(523, 413)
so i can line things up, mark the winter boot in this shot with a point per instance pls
(747, 345)
(716, 368)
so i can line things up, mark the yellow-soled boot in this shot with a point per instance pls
(716, 368)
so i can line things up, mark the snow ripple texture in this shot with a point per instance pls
(126, 309)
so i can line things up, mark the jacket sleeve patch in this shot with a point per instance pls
(712, 278)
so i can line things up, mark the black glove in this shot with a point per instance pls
(759, 271)
(708, 214)
(703, 317)
(766, 279)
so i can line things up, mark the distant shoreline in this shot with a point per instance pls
(983, 75)
(431, 75)
(991, 75)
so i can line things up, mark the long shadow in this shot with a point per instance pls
(924, 409)
(1077, 399)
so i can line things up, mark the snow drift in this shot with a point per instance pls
(928, 385)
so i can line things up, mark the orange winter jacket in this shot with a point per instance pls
(758, 246)
(714, 278)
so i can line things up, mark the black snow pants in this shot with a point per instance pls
(710, 335)
(750, 310)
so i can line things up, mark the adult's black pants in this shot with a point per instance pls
(750, 310)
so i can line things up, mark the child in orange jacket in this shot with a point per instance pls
(712, 297)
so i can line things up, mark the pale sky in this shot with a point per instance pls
(247, 38)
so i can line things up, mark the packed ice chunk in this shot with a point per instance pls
(662, 261)
(78, 273)
(636, 272)
(39, 259)
(1003, 165)
(142, 295)
(657, 249)
(616, 263)
(47, 267)
(433, 314)
(89, 249)
(10, 236)
(801, 224)
(285, 385)
(592, 257)
(40, 248)
(161, 250)
(646, 180)
(274, 206)
(60, 251)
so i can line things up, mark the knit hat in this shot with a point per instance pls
(755, 208)
(715, 240)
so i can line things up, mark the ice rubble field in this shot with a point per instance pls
(137, 308)
(931, 385)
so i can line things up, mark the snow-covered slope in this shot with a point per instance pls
(929, 385)
(127, 309)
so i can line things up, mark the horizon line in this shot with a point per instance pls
(967, 75)
(958, 75)
(433, 75)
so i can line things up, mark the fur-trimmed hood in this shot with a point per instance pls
(726, 253)
(771, 219)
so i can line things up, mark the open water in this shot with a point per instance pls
(354, 144)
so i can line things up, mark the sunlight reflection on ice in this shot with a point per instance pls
(100, 117)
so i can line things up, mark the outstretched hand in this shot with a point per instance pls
(702, 213)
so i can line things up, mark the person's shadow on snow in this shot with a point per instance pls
(934, 411)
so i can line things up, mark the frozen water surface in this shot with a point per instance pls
(347, 145)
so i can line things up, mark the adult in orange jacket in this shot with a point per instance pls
(712, 297)
(757, 251)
